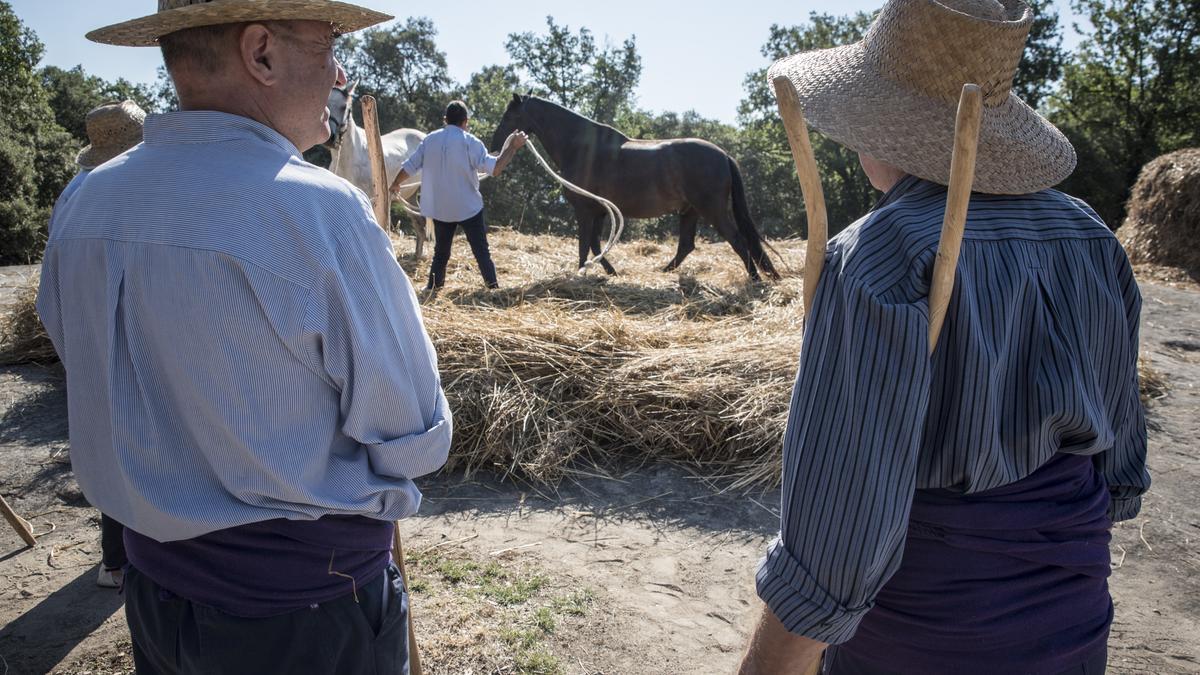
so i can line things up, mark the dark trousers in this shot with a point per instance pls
(476, 232)
(174, 636)
(112, 543)
(840, 662)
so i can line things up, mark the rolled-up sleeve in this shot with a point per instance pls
(370, 344)
(1124, 466)
(415, 161)
(849, 459)
(481, 160)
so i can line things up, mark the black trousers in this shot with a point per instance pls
(172, 636)
(112, 543)
(838, 662)
(476, 232)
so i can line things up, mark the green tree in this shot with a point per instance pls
(568, 68)
(36, 154)
(766, 160)
(73, 93)
(1043, 59)
(403, 68)
(1129, 94)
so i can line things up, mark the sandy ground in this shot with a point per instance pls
(665, 560)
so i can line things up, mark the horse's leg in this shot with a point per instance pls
(418, 228)
(728, 229)
(689, 218)
(596, 225)
(586, 223)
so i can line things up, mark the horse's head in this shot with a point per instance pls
(340, 105)
(516, 118)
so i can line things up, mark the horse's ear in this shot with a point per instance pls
(516, 97)
(350, 88)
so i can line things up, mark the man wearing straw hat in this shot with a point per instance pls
(951, 513)
(251, 388)
(112, 129)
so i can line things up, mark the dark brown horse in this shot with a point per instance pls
(645, 179)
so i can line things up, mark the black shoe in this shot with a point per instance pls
(495, 285)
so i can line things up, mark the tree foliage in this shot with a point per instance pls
(1129, 94)
(36, 154)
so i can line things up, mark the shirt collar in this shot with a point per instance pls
(209, 126)
(902, 187)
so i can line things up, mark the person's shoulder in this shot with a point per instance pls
(893, 242)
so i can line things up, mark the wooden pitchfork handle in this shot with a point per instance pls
(414, 656)
(18, 523)
(962, 177)
(810, 186)
(380, 200)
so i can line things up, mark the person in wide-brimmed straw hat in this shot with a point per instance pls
(112, 128)
(951, 513)
(252, 390)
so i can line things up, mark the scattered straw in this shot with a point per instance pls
(22, 337)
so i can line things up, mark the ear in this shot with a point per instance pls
(258, 49)
(516, 97)
(350, 88)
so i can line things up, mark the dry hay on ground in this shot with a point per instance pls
(1163, 225)
(557, 371)
(23, 339)
(556, 368)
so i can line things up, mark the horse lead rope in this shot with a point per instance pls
(614, 214)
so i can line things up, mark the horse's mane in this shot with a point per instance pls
(604, 131)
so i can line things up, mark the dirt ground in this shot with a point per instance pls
(646, 570)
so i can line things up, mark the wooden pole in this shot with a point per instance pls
(962, 177)
(810, 185)
(380, 195)
(414, 656)
(18, 523)
(380, 199)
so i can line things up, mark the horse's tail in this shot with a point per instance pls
(745, 224)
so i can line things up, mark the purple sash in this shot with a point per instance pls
(1012, 580)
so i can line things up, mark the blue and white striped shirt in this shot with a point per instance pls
(1038, 356)
(240, 344)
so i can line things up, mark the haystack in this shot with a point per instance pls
(1163, 225)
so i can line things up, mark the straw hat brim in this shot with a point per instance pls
(845, 97)
(91, 156)
(146, 31)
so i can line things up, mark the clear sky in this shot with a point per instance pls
(695, 55)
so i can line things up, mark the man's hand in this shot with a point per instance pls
(512, 144)
(400, 178)
(775, 651)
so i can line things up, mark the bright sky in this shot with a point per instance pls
(695, 55)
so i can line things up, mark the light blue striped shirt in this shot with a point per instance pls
(450, 161)
(239, 342)
(1038, 356)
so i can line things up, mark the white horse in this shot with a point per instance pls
(348, 145)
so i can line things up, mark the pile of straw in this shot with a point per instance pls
(557, 368)
(1163, 225)
(23, 339)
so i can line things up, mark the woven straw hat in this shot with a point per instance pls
(894, 95)
(176, 15)
(112, 129)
